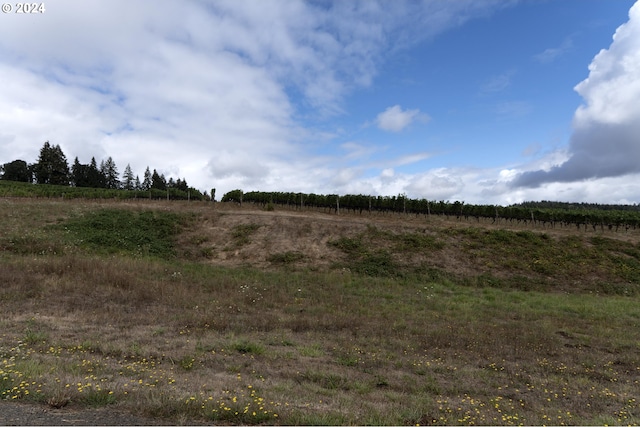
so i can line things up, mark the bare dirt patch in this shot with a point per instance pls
(13, 413)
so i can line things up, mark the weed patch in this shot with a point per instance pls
(124, 231)
(98, 397)
(381, 253)
(285, 258)
(349, 245)
(241, 233)
(247, 347)
(417, 242)
(327, 380)
(378, 264)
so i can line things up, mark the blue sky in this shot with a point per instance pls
(484, 101)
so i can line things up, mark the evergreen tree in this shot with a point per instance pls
(60, 170)
(102, 169)
(42, 168)
(80, 174)
(96, 178)
(158, 181)
(110, 172)
(76, 173)
(127, 179)
(138, 185)
(18, 170)
(146, 184)
(52, 166)
(181, 184)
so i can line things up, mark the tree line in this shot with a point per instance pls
(52, 167)
(579, 206)
(544, 215)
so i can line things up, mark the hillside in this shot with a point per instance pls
(399, 244)
(194, 312)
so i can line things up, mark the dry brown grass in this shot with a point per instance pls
(223, 334)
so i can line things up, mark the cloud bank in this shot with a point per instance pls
(605, 141)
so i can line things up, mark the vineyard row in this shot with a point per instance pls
(595, 218)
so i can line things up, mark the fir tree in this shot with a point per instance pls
(146, 184)
(158, 181)
(181, 184)
(127, 179)
(80, 174)
(96, 178)
(52, 166)
(111, 173)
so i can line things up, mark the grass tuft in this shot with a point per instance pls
(241, 233)
(284, 258)
(247, 347)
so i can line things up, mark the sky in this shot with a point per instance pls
(481, 101)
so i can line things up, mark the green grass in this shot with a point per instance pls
(524, 260)
(417, 242)
(125, 231)
(391, 337)
(380, 253)
(33, 337)
(350, 245)
(248, 347)
(327, 380)
(241, 234)
(98, 398)
(284, 258)
(368, 344)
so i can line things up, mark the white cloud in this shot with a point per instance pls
(410, 158)
(357, 151)
(605, 140)
(395, 119)
(197, 88)
(436, 184)
(553, 53)
(612, 89)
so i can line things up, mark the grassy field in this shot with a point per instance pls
(208, 313)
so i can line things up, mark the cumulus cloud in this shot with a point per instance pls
(605, 139)
(395, 119)
(437, 184)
